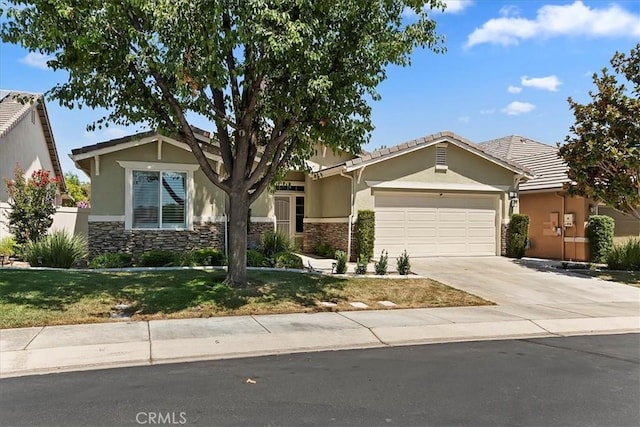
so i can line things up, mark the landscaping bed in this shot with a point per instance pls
(54, 297)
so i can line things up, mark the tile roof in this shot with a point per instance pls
(14, 106)
(542, 159)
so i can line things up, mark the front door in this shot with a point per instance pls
(283, 214)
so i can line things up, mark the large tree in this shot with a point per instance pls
(603, 152)
(272, 76)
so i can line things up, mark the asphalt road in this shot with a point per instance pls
(577, 381)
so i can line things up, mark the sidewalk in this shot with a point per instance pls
(48, 349)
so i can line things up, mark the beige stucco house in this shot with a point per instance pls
(440, 195)
(26, 138)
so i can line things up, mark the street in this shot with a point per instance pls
(575, 381)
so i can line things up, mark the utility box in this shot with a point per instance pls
(569, 220)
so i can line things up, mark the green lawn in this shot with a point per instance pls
(36, 298)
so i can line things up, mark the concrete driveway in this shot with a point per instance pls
(507, 281)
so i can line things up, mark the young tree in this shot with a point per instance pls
(603, 154)
(273, 77)
(32, 204)
(79, 191)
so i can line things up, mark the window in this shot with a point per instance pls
(441, 157)
(299, 214)
(159, 199)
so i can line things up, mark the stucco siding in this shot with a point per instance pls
(24, 144)
(626, 225)
(328, 157)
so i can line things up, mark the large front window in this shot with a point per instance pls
(159, 199)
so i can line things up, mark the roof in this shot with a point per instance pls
(542, 159)
(15, 106)
(425, 141)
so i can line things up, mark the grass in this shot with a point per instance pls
(39, 298)
(627, 277)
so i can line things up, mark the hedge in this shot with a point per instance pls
(600, 234)
(517, 233)
(365, 233)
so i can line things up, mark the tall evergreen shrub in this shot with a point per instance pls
(600, 234)
(365, 233)
(517, 234)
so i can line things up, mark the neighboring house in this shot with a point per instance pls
(26, 139)
(439, 195)
(556, 220)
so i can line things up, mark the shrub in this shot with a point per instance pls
(600, 234)
(325, 250)
(288, 260)
(112, 260)
(625, 256)
(58, 249)
(274, 242)
(158, 258)
(365, 233)
(361, 265)
(403, 265)
(381, 266)
(255, 258)
(517, 233)
(210, 256)
(8, 246)
(341, 262)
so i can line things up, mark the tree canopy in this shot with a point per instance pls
(273, 77)
(79, 191)
(603, 151)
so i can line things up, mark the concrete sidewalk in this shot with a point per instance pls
(48, 349)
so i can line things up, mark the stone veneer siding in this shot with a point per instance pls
(503, 239)
(256, 230)
(334, 234)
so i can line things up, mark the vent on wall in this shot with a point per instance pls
(441, 156)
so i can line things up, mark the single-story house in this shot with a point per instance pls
(556, 220)
(439, 195)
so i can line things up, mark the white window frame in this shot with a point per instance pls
(130, 167)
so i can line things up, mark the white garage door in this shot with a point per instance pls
(434, 225)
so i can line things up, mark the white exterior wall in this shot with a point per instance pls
(73, 220)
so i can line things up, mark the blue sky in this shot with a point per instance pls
(508, 69)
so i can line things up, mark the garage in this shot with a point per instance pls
(434, 224)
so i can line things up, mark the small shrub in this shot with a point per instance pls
(274, 242)
(288, 260)
(325, 250)
(517, 234)
(208, 256)
(625, 256)
(600, 234)
(58, 249)
(8, 246)
(341, 262)
(365, 233)
(403, 265)
(158, 258)
(255, 258)
(112, 260)
(381, 266)
(361, 265)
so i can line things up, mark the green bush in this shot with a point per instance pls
(625, 256)
(158, 258)
(274, 242)
(8, 246)
(209, 256)
(403, 265)
(341, 262)
(600, 234)
(288, 260)
(255, 258)
(325, 250)
(112, 260)
(365, 233)
(517, 234)
(382, 265)
(58, 249)
(361, 264)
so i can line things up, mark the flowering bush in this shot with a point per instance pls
(32, 204)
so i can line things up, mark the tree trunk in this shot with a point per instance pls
(238, 213)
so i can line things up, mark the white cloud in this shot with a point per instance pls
(514, 89)
(453, 6)
(574, 19)
(516, 108)
(509, 10)
(464, 119)
(107, 134)
(37, 60)
(549, 83)
(488, 111)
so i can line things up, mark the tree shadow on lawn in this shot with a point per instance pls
(159, 292)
